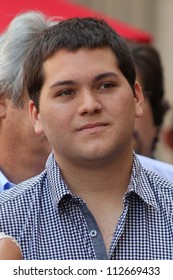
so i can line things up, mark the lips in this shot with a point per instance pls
(92, 125)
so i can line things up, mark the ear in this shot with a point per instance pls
(35, 118)
(139, 98)
(3, 106)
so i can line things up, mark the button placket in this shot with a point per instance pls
(93, 233)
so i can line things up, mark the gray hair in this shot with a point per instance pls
(14, 44)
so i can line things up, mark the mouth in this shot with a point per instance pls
(92, 126)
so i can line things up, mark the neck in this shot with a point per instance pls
(20, 165)
(104, 180)
(16, 170)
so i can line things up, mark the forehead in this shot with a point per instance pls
(80, 60)
(82, 67)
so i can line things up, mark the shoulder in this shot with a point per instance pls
(26, 188)
(158, 189)
(19, 206)
(154, 189)
(161, 168)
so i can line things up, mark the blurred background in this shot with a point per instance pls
(154, 18)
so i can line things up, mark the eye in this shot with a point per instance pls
(107, 85)
(66, 92)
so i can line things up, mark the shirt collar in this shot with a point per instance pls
(57, 183)
(139, 183)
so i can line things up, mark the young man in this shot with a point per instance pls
(94, 200)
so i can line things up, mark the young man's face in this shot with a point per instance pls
(87, 107)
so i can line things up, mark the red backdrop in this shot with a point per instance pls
(67, 9)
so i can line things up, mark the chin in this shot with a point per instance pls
(96, 156)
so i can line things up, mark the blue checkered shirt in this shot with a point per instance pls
(50, 223)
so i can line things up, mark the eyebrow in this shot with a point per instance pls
(72, 82)
(105, 75)
(62, 83)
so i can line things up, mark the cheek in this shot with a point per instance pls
(120, 102)
(126, 109)
(55, 120)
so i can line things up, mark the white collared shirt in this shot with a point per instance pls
(5, 184)
(161, 168)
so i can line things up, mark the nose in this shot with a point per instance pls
(89, 103)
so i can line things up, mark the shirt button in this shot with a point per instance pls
(93, 233)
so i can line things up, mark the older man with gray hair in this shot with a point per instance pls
(23, 153)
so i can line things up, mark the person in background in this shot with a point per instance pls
(94, 200)
(161, 168)
(147, 128)
(168, 135)
(22, 153)
(151, 78)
